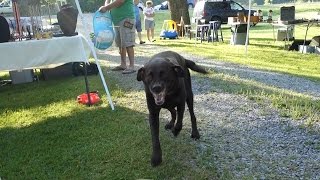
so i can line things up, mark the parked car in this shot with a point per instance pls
(6, 7)
(218, 10)
(162, 6)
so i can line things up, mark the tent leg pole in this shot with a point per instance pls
(87, 84)
(95, 56)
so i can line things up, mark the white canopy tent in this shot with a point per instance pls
(94, 53)
(88, 41)
(248, 27)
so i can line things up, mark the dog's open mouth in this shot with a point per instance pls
(159, 98)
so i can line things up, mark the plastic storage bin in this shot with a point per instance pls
(282, 34)
(21, 76)
(306, 49)
(238, 39)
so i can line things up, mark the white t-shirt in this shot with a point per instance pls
(148, 10)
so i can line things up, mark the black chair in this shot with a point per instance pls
(4, 30)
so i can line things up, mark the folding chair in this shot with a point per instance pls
(197, 32)
(215, 27)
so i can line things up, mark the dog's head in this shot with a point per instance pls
(160, 76)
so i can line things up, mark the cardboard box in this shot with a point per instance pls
(232, 20)
(253, 19)
(240, 17)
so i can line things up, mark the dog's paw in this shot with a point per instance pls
(156, 160)
(195, 135)
(176, 131)
(168, 126)
(177, 128)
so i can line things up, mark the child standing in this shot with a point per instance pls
(149, 20)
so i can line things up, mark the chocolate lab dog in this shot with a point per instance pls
(167, 85)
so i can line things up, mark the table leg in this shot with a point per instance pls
(274, 38)
(212, 34)
(201, 35)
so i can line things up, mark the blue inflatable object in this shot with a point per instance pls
(172, 34)
(169, 30)
(103, 30)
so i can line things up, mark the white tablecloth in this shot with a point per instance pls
(44, 53)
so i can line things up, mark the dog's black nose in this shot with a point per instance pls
(156, 88)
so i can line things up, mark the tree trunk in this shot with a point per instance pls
(177, 9)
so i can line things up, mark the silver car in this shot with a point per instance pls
(6, 7)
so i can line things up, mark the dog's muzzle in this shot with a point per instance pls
(159, 98)
(158, 94)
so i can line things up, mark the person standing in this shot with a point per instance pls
(269, 20)
(138, 20)
(122, 13)
(149, 20)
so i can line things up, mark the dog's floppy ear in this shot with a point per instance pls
(179, 71)
(140, 74)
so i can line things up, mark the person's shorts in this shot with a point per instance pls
(138, 25)
(125, 33)
(149, 24)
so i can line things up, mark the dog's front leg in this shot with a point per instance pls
(156, 158)
(170, 124)
(177, 128)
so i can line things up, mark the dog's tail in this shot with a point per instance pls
(193, 66)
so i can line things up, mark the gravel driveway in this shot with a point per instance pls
(247, 139)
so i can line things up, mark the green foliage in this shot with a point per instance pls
(91, 5)
(258, 2)
(267, 1)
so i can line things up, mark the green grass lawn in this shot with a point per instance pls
(266, 54)
(46, 134)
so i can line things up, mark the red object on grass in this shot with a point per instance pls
(94, 98)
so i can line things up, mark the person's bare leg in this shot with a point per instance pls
(130, 51)
(152, 34)
(148, 35)
(123, 52)
(139, 36)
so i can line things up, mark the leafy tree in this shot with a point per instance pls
(267, 1)
(258, 2)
